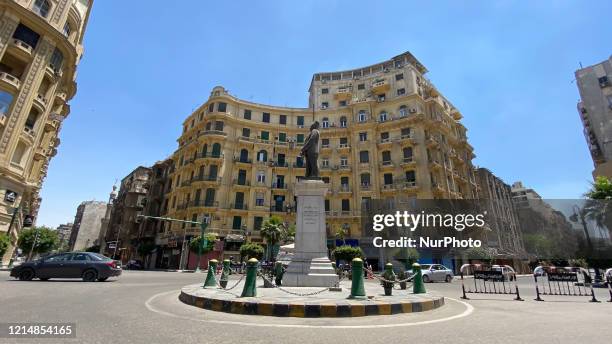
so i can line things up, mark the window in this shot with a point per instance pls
(324, 105)
(401, 91)
(388, 178)
(381, 98)
(343, 142)
(282, 119)
(239, 200)
(261, 176)
(32, 119)
(247, 114)
(325, 122)
(399, 77)
(382, 116)
(300, 121)
(210, 197)
(282, 137)
(259, 199)
(265, 117)
(80, 256)
(57, 59)
(280, 158)
(265, 135)
(343, 122)
(325, 162)
(299, 161)
(59, 257)
(246, 132)
(257, 222)
(42, 7)
(325, 180)
(346, 205)
(405, 133)
(384, 137)
(300, 138)
(211, 107)
(603, 81)
(237, 222)
(365, 179)
(222, 107)
(327, 207)
(325, 143)
(363, 136)
(362, 116)
(407, 152)
(262, 156)
(20, 152)
(67, 30)
(342, 103)
(216, 150)
(343, 161)
(218, 125)
(244, 155)
(364, 157)
(410, 176)
(324, 90)
(361, 87)
(26, 35)
(6, 99)
(386, 157)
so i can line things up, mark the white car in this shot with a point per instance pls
(436, 273)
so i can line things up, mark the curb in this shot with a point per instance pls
(309, 310)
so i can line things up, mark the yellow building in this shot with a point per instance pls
(386, 133)
(40, 47)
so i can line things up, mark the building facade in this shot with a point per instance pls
(40, 47)
(505, 235)
(386, 133)
(87, 225)
(595, 110)
(63, 235)
(124, 224)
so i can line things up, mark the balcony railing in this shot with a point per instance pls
(209, 155)
(10, 79)
(281, 186)
(239, 206)
(243, 160)
(214, 132)
(206, 178)
(241, 182)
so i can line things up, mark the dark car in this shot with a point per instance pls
(86, 265)
(134, 264)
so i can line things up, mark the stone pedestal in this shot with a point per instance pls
(310, 266)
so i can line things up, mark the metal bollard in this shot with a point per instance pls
(418, 287)
(250, 287)
(210, 276)
(357, 287)
(225, 273)
(278, 273)
(389, 275)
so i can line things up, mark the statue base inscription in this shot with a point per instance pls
(310, 266)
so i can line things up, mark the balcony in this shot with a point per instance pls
(185, 183)
(365, 186)
(343, 93)
(239, 206)
(10, 80)
(325, 146)
(434, 164)
(344, 188)
(239, 182)
(209, 156)
(380, 86)
(29, 131)
(210, 179)
(408, 185)
(385, 142)
(431, 142)
(298, 165)
(279, 186)
(41, 102)
(437, 188)
(344, 146)
(386, 165)
(408, 161)
(407, 138)
(277, 164)
(213, 133)
(280, 208)
(2, 120)
(344, 167)
(242, 160)
(388, 187)
(21, 48)
(246, 139)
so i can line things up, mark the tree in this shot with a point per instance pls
(145, 248)
(340, 234)
(408, 256)
(196, 242)
(347, 253)
(251, 250)
(479, 253)
(272, 231)
(4, 243)
(600, 189)
(94, 248)
(46, 241)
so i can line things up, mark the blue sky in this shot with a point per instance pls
(508, 66)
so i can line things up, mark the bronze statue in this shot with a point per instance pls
(310, 152)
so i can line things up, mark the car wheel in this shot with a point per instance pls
(426, 279)
(102, 279)
(449, 278)
(26, 275)
(90, 276)
(44, 279)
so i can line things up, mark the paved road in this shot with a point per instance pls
(142, 307)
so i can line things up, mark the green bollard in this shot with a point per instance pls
(389, 275)
(278, 273)
(225, 273)
(250, 287)
(418, 287)
(357, 287)
(210, 276)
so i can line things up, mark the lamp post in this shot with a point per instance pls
(203, 242)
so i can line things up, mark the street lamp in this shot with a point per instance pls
(203, 240)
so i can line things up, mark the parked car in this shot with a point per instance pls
(509, 274)
(436, 272)
(134, 264)
(86, 265)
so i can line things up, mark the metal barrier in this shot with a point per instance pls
(608, 275)
(559, 281)
(489, 279)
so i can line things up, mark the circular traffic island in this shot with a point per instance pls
(309, 302)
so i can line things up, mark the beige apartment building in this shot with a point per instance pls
(40, 47)
(386, 133)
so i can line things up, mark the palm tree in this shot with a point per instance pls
(272, 231)
(597, 207)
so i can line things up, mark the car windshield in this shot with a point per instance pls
(97, 256)
(425, 267)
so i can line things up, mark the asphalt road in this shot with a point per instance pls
(142, 307)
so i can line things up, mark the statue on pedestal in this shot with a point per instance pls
(310, 152)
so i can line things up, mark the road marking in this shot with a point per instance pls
(469, 309)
